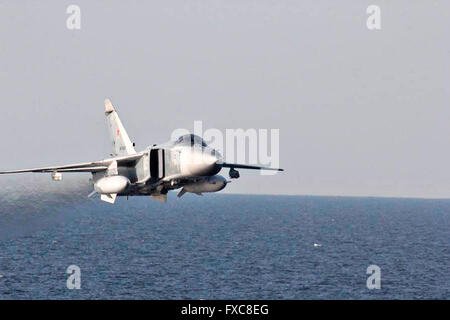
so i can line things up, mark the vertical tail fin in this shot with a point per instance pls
(122, 145)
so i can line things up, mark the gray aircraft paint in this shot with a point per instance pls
(187, 163)
(122, 144)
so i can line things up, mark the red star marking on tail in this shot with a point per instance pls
(118, 132)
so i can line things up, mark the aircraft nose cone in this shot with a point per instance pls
(209, 159)
(205, 164)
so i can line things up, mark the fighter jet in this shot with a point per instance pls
(187, 163)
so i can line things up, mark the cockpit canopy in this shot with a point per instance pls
(191, 140)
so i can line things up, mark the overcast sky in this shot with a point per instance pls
(360, 112)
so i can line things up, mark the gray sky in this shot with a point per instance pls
(360, 112)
